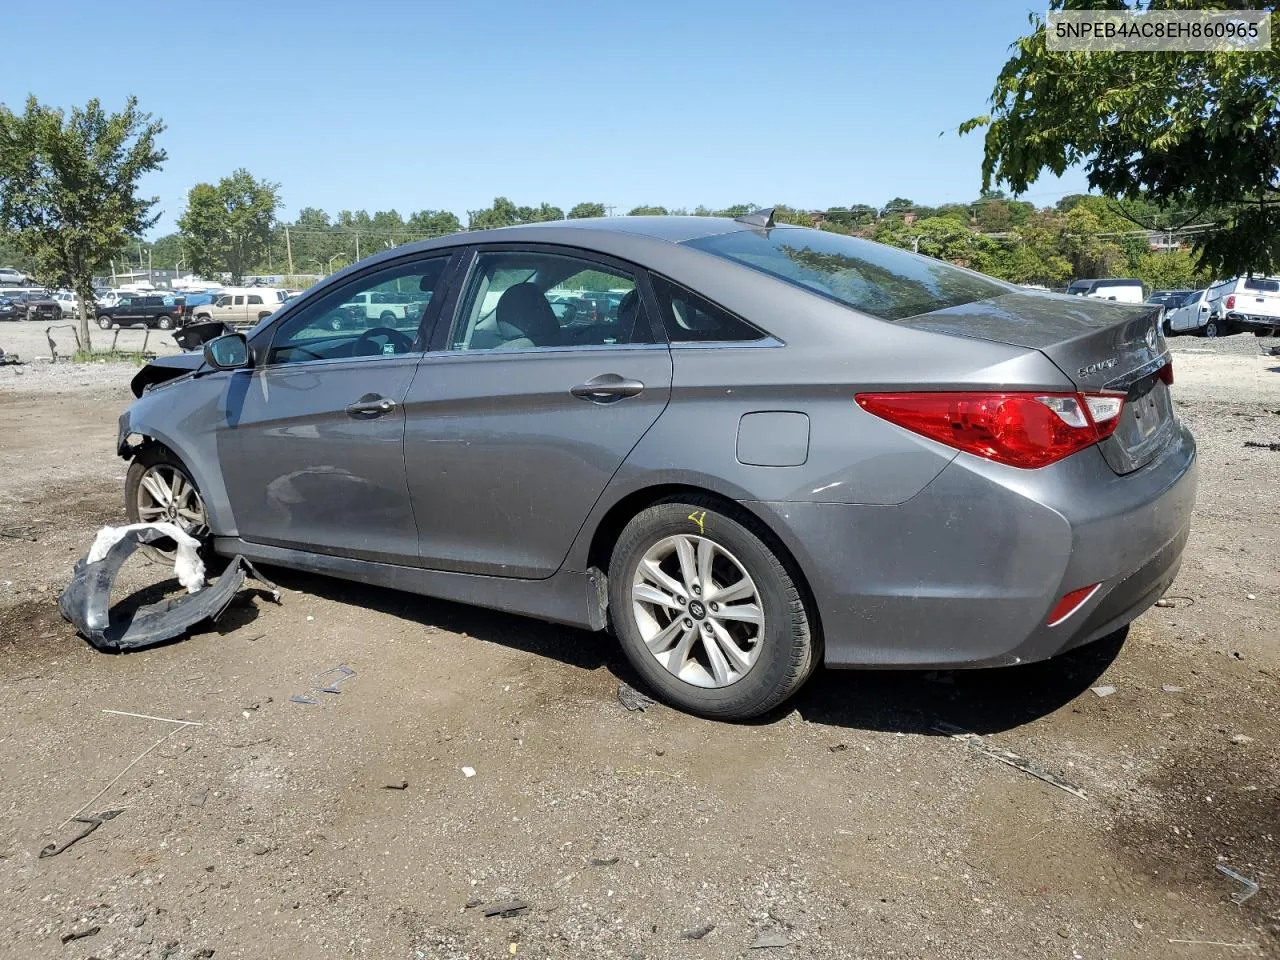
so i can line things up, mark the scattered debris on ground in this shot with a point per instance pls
(975, 742)
(697, 933)
(1103, 691)
(53, 849)
(80, 934)
(1273, 447)
(508, 908)
(1247, 887)
(633, 699)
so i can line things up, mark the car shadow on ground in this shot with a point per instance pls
(897, 701)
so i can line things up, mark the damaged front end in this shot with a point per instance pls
(85, 603)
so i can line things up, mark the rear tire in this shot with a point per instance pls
(1213, 328)
(732, 661)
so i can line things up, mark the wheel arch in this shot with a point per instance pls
(138, 431)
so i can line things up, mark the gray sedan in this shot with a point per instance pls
(785, 447)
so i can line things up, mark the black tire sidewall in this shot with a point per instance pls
(784, 659)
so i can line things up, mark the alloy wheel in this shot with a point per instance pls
(698, 610)
(167, 495)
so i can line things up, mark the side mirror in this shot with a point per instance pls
(229, 352)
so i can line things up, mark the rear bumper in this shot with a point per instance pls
(965, 574)
(1246, 322)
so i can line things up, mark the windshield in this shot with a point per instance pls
(882, 281)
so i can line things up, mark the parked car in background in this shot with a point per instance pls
(149, 310)
(1191, 315)
(241, 306)
(1167, 298)
(11, 277)
(43, 307)
(1119, 290)
(1246, 303)
(69, 302)
(9, 310)
(789, 447)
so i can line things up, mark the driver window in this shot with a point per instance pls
(377, 315)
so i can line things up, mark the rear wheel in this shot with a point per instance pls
(158, 489)
(1213, 328)
(335, 321)
(387, 318)
(707, 613)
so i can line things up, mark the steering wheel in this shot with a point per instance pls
(364, 346)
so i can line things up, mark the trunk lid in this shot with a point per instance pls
(1101, 347)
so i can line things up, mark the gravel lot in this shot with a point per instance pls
(845, 825)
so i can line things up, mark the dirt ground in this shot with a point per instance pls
(844, 825)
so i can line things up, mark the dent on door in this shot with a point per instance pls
(506, 454)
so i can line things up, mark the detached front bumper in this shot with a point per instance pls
(966, 573)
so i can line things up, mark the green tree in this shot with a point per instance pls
(166, 252)
(227, 227)
(647, 211)
(1191, 131)
(580, 210)
(504, 213)
(433, 223)
(69, 188)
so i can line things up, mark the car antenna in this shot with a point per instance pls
(757, 218)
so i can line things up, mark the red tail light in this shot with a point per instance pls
(1166, 372)
(1025, 430)
(1070, 603)
(1231, 302)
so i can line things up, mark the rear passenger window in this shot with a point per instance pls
(254, 298)
(690, 318)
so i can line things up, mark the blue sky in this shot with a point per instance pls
(413, 105)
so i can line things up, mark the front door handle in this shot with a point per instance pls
(371, 405)
(607, 388)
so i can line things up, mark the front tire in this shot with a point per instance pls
(104, 323)
(707, 613)
(159, 489)
(164, 322)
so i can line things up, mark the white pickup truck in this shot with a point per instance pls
(1245, 303)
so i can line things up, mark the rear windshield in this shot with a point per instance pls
(885, 282)
(1266, 286)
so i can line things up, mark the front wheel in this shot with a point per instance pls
(158, 489)
(1213, 328)
(707, 613)
(104, 323)
(165, 322)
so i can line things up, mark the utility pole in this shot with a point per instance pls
(357, 244)
(288, 249)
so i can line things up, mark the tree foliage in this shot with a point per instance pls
(504, 213)
(1187, 133)
(580, 210)
(647, 211)
(226, 227)
(69, 188)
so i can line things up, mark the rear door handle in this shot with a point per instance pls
(371, 405)
(607, 388)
